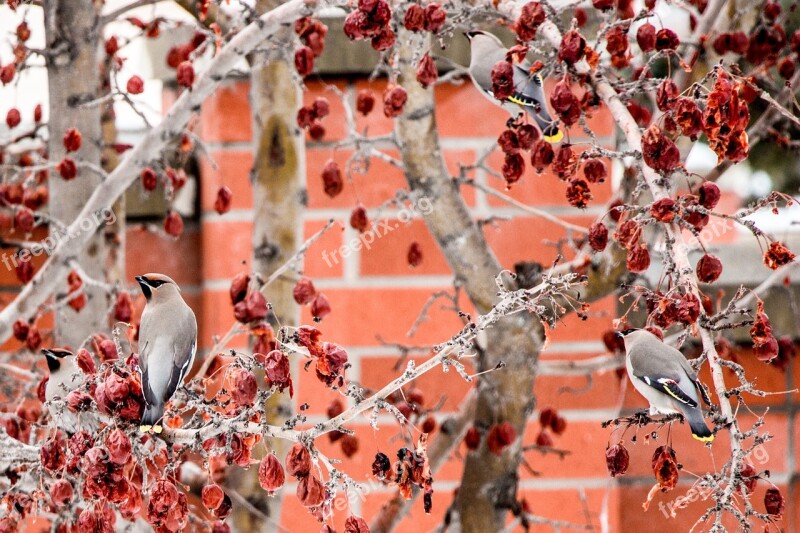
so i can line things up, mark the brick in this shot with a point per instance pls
(376, 123)
(372, 189)
(568, 504)
(542, 189)
(437, 386)
(360, 316)
(529, 238)
(387, 254)
(295, 517)
(585, 441)
(458, 108)
(416, 519)
(598, 391)
(658, 517)
(225, 115)
(147, 251)
(232, 170)
(218, 320)
(335, 123)
(572, 328)
(315, 264)
(767, 378)
(308, 389)
(227, 248)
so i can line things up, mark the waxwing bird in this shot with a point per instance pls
(65, 377)
(167, 345)
(666, 379)
(485, 51)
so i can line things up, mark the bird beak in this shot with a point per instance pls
(141, 280)
(145, 286)
(468, 35)
(619, 334)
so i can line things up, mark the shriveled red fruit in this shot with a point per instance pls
(135, 85)
(394, 99)
(578, 193)
(298, 461)
(426, 71)
(72, 140)
(173, 224)
(598, 237)
(304, 61)
(572, 47)
(271, 475)
(320, 307)
(500, 437)
(617, 460)
(472, 438)
(243, 386)
(355, 524)
(646, 37)
(542, 155)
(777, 255)
(773, 502)
(310, 491)
(67, 168)
(595, 171)
(304, 291)
(544, 439)
(13, 117)
(349, 445)
(20, 330)
(238, 288)
(665, 468)
(709, 268)
(502, 76)
(359, 220)
(414, 19)
(435, 17)
(513, 167)
(659, 152)
(149, 179)
(638, 259)
(24, 220)
(332, 179)
(531, 17)
(61, 492)
(414, 254)
(222, 204)
(666, 39)
(365, 100)
(663, 210)
(749, 477)
(709, 194)
(212, 496)
(24, 272)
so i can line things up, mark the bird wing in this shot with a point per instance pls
(665, 369)
(165, 359)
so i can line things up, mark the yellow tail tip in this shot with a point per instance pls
(553, 139)
(145, 429)
(703, 439)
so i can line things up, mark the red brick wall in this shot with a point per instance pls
(374, 293)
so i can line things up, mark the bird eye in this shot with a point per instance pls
(156, 283)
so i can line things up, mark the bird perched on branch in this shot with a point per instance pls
(65, 377)
(528, 93)
(167, 345)
(664, 377)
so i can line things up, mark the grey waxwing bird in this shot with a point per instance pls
(65, 377)
(666, 379)
(485, 51)
(167, 345)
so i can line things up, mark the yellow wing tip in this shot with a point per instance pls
(553, 139)
(703, 439)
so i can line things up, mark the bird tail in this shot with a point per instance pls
(698, 425)
(152, 416)
(552, 133)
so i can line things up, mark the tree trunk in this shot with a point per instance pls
(489, 483)
(278, 184)
(73, 34)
